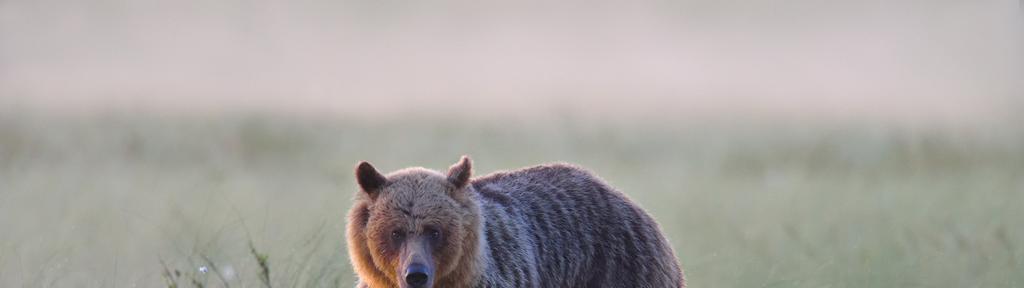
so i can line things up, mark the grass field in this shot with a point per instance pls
(113, 201)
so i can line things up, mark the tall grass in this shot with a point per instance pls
(254, 201)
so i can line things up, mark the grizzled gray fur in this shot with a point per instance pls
(554, 225)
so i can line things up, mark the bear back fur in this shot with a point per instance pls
(558, 225)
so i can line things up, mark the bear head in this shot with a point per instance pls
(415, 227)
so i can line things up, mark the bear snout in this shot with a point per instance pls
(417, 276)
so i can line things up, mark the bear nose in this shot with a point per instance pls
(417, 275)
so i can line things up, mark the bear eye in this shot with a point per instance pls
(397, 235)
(434, 234)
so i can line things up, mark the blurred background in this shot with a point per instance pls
(779, 143)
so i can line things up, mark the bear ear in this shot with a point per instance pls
(459, 173)
(370, 181)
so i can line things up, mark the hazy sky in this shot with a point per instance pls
(903, 61)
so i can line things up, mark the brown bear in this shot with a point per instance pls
(553, 225)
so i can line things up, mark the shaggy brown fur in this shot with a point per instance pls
(553, 225)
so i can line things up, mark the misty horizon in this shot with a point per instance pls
(904, 62)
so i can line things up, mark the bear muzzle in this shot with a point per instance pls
(418, 276)
(417, 267)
